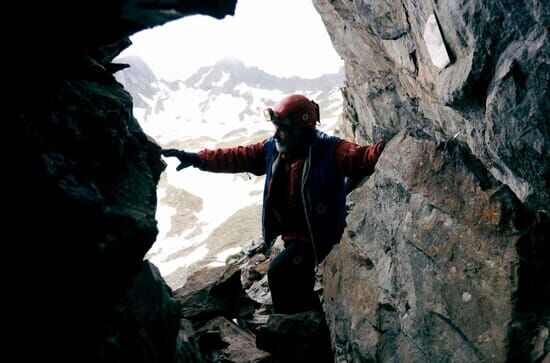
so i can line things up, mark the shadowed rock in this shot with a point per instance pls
(224, 341)
(144, 323)
(214, 292)
(187, 345)
(302, 337)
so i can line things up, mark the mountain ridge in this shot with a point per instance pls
(140, 81)
(206, 77)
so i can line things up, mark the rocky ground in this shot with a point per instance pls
(228, 316)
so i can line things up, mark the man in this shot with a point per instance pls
(304, 193)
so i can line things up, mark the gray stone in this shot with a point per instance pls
(223, 341)
(435, 44)
(493, 92)
(209, 293)
(492, 98)
(426, 270)
(259, 291)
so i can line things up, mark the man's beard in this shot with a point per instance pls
(281, 147)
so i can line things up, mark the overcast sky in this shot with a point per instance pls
(282, 37)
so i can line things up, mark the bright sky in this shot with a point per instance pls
(282, 37)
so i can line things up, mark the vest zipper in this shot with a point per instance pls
(305, 174)
(267, 192)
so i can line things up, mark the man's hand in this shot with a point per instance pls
(186, 159)
(380, 146)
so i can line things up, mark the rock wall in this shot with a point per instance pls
(494, 91)
(433, 275)
(81, 188)
(442, 240)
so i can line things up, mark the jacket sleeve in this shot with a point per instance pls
(354, 160)
(237, 159)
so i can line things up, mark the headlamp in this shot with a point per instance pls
(271, 116)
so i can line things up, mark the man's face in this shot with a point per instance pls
(285, 138)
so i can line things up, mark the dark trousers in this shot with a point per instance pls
(291, 277)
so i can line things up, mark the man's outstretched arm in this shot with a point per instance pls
(224, 160)
(237, 159)
(354, 160)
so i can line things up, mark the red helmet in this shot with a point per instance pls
(294, 110)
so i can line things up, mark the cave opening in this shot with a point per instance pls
(200, 82)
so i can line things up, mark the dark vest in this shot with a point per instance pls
(322, 191)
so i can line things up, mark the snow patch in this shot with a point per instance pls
(223, 79)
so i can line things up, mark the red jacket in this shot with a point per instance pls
(352, 160)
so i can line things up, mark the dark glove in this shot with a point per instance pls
(186, 159)
(380, 146)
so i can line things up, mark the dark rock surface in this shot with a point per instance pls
(82, 184)
(210, 293)
(144, 322)
(224, 341)
(296, 338)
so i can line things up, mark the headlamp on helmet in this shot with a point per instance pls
(271, 116)
(295, 110)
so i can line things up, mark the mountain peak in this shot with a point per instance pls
(138, 79)
(230, 62)
(227, 72)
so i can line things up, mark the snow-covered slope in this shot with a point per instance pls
(204, 217)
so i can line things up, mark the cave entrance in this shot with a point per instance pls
(199, 82)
